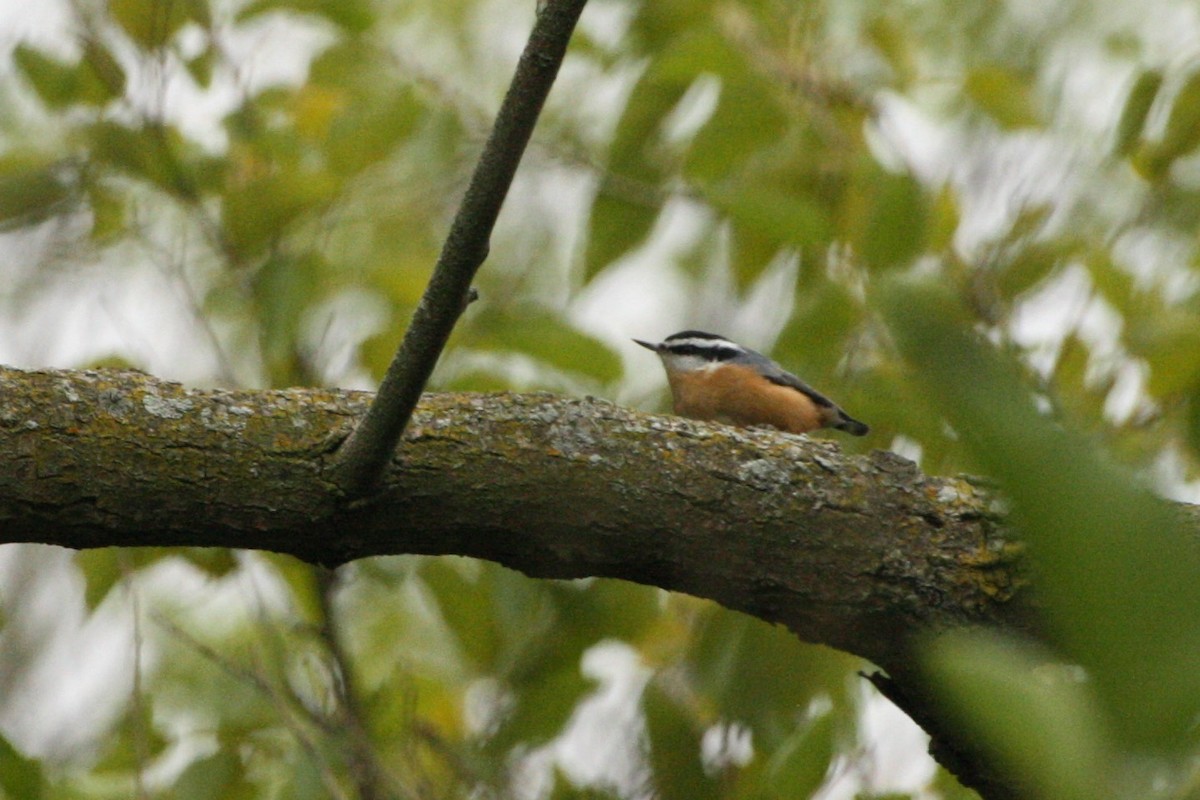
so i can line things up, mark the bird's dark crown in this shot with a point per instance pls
(695, 335)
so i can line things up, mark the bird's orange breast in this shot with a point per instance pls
(740, 395)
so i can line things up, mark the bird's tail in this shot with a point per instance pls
(850, 425)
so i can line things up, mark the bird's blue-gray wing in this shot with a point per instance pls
(778, 375)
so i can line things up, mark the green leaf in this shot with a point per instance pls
(353, 107)
(376, 352)
(217, 695)
(760, 675)
(544, 336)
(896, 46)
(610, 609)
(33, 188)
(542, 707)
(630, 195)
(894, 226)
(256, 211)
(201, 67)
(153, 23)
(108, 211)
(616, 225)
(814, 341)
(748, 117)
(944, 218)
(1153, 160)
(1182, 133)
(301, 580)
(1116, 572)
(1070, 374)
(1114, 283)
(751, 252)
(1169, 341)
(133, 743)
(463, 603)
(54, 81)
(214, 562)
(284, 288)
(101, 571)
(1137, 109)
(527, 616)
(657, 25)
(366, 133)
(1003, 95)
(530, 636)
(352, 16)
(104, 567)
(564, 789)
(103, 78)
(783, 212)
(674, 737)
(946, 787)
(1029, 268)
(799, 765)
(1193, 421)
(153, 152)
(304, 778)
(779, 201)
(476, 380)
(219, 776)
(21, 777)
(346, 63)
(1038, 720)
(93, 80)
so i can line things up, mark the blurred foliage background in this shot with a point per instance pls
(973, 223)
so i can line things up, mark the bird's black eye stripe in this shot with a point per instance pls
(701, 351)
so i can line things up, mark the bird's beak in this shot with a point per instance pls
(648, 345)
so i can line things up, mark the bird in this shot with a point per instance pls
(712, 377)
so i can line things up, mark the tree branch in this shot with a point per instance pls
(863, 553)
(362, 458)
(857, 552)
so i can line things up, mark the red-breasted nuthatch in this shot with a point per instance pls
(714, 378)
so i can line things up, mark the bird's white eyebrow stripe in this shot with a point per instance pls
(704, 344)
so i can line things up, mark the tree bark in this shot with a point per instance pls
(862, 553)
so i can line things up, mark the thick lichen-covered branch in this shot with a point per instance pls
(856, 552)
(863, 553)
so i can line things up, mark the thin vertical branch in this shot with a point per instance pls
(365, 768)
(137, 698)
(364, 455)
(296, 716)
